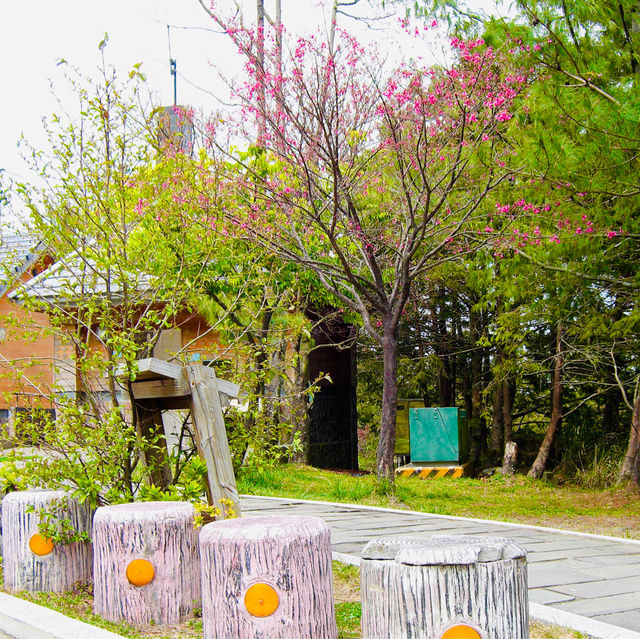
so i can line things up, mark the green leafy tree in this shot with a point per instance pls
(109, 294)
(590, 56)
(582, 134)
(373, 180)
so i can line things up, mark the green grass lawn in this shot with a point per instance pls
(518, 499)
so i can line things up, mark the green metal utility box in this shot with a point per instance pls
(438, 435)
(402, 424)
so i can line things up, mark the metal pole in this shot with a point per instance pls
(174, 73)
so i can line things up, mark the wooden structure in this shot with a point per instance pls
(31, 561)
(146, 563)
(332, 418)
(27, 348)
(267, 577)
(161, 386)
(444, 587)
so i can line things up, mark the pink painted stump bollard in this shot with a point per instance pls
(146, 563)
(267, 578)
(30, 560)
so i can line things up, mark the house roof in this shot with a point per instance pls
(73, 278)
(18, 253)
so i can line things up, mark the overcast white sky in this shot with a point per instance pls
(36, 35)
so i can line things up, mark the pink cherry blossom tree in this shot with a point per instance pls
(369, 177)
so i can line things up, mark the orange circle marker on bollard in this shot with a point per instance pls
(140, 572)
(40, 545)
(261, 600)
(461, 632)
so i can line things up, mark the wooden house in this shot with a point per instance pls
(27, 349)
(332, 420)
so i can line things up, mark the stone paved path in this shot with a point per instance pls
(588, 575)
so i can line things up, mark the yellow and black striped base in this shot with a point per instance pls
(434, 472)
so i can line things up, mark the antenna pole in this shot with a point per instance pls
(172, 64)
(173, 69)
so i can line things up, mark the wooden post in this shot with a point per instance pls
(149, 418)
(167, 386)
(444, 587)
(267, 577)
(211, 435)
(32, 562)
(146, 564)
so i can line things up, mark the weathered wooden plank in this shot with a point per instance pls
(169, 343)
(146, 388)
(161, 388)
(211, 434)
(228, 388)
(154, 367)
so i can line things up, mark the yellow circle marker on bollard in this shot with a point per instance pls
(261, 600)
(40, 545)
(140, 572)
(461, 632)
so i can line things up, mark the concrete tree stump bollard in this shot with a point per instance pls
(30, 560)
(444, 587)
(267, 578)
(146, 562)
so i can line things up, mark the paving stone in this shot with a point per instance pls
(613, 557)
(547, 575)
(348, 548)
(546, 597)
(618, 570)
(596, 607)
(630, 620)
(575, 545)
(605, 588)
(538, 554)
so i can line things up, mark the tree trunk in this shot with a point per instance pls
(540, 462)
(478, 423)
(386, 443)
(629, 468)
(611, 409)
(510, 459)
(442, 349)
(508, 391)
(497, 439)
(260, 59)
(295, 412)
(467, 385)
(495, 444)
